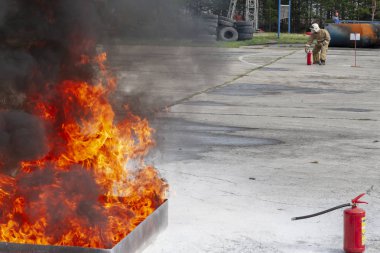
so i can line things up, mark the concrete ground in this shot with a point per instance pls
(251, 137)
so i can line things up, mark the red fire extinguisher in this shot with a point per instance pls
(354, 225)
(309, 57)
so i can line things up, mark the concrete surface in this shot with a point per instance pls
(252, 137)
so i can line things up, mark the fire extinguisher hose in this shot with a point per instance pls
(323, 212)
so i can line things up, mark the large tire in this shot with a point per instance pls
(243, 23)
(245, 29)
(225, 23)
(245, 36)
(228, 34)
(211, 24)
(226, 19)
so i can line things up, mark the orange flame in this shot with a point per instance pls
(84, 191)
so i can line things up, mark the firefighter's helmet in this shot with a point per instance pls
(315, 28)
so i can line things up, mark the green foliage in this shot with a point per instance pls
(306, 12)
(218, 7)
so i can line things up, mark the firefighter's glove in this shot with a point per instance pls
(325, 43)
(307, 47)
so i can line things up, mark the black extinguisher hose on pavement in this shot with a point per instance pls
(323, 212)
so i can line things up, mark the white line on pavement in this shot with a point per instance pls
(241, 58)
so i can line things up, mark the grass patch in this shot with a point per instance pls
(268, 38)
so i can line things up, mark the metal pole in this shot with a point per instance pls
(355, 49)
(290, 15)
(279, 19)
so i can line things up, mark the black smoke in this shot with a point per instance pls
(44, 42)
(152, 19)
(22, 138)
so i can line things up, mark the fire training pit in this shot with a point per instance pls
(136, 241)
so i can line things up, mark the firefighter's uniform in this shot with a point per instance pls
(323, 39)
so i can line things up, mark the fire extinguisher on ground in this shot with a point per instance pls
(309, 57)
(354, 224)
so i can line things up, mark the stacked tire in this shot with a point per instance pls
(226, 29)
(208, 27)
(245, 29)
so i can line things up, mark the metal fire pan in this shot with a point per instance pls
(135, 242)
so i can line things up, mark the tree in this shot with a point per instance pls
(304, 12)
(307, 11)
(374, 6)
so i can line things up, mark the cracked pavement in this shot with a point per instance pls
(251, 137)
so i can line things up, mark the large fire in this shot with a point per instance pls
(92, 188)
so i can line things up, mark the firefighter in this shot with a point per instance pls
(323, 38)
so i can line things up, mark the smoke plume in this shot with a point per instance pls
(22, 138)
(42, 43)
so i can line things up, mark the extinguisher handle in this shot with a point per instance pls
(357, 200)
